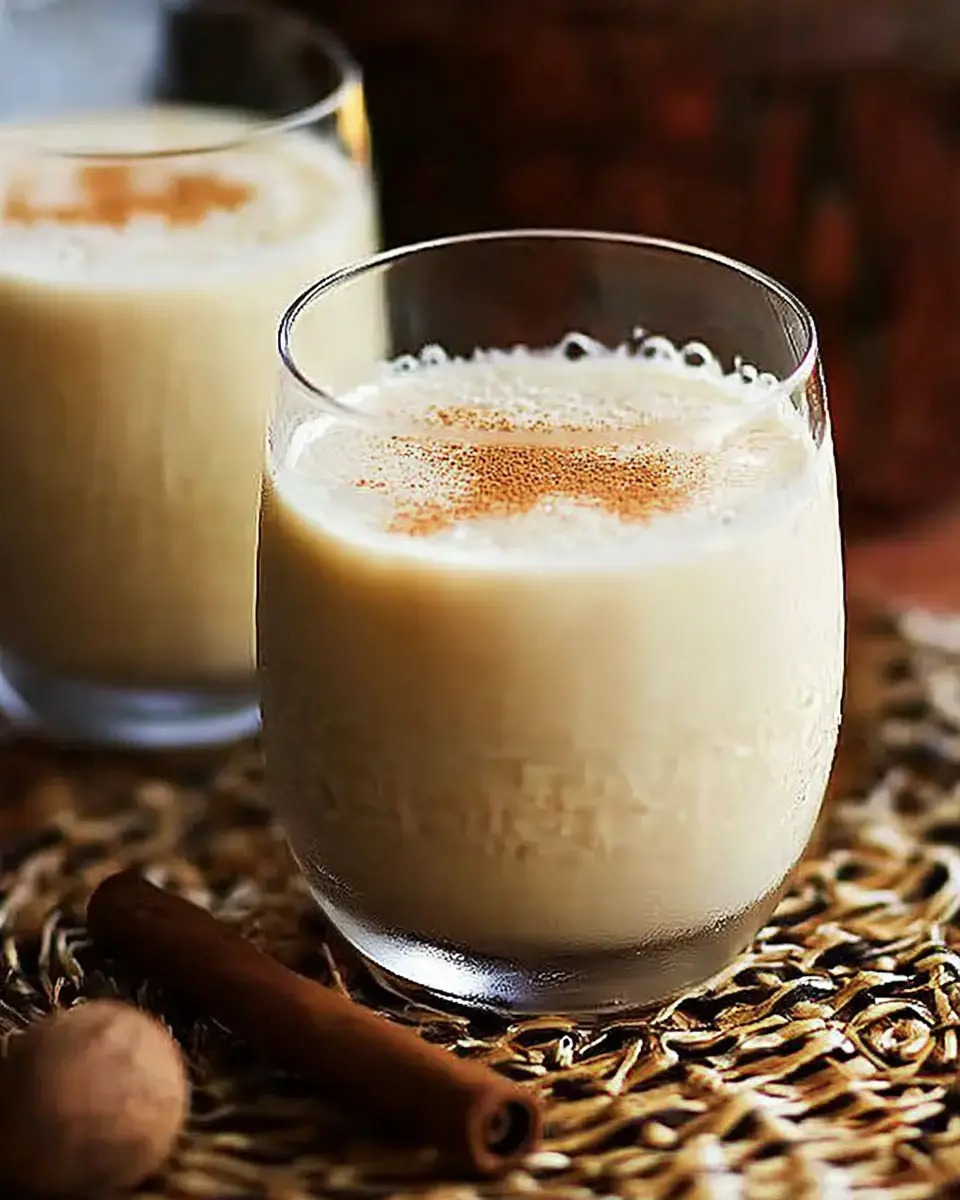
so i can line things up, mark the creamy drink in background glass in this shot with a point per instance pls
(551, 616)
(177, 172)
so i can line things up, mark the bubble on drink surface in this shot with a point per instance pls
(580, 345)
(430, 355)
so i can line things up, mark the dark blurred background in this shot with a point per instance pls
(818, 139)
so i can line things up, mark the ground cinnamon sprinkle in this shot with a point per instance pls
(486, 420)
(108, 196)
(508, 480)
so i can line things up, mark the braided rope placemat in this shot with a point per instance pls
(822, 1063)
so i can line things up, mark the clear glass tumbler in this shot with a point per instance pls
(550, 614)
(171, 172)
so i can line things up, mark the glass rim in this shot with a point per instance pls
(308, 30)
(797, 378)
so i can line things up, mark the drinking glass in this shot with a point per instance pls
(524, 772)
(171, 172)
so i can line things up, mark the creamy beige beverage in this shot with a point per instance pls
(555, 665)
(138, 304)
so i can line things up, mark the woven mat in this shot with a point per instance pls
(823, 1063)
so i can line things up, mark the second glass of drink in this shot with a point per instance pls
(170, 174)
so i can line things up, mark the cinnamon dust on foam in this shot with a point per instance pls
(512, 479)
(110, 196)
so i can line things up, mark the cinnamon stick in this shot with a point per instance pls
(477, 1120)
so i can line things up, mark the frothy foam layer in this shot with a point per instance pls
(79, 218)
(538, 453)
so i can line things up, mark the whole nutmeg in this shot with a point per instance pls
(92, 1100)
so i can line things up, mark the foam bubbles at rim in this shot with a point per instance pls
(694, 357)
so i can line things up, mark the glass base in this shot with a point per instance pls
(578, 984)
(112, 716)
